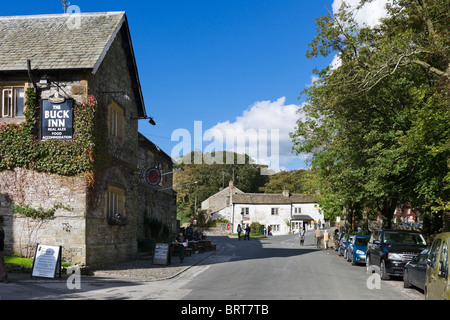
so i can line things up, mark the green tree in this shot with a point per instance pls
(377, 125)
(211, 176)
(296, 181)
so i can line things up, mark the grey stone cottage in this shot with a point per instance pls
(72, 82)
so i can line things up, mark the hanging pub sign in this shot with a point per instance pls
(153, 176)
(57, 118)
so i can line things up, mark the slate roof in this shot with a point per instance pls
(303, 217)
(66, 42)
(57, 41)
(272, 198)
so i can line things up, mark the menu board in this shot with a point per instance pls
(47, 261)
(161, 254)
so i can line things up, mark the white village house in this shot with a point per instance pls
(283, 212)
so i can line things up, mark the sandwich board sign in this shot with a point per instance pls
(47, 261)
(161, 254)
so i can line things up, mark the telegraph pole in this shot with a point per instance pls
(65, 5)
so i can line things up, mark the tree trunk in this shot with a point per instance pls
(446, 221)
(387, 211)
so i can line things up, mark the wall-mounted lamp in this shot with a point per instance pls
(151, 121)
(44, 80)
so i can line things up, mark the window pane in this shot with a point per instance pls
(434, 252)
(444, 256)
(19, 102)
(6, 102)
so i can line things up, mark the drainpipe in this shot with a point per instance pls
(29, 75)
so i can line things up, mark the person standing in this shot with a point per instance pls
(182, 243)
(247, 233)
(239, 230)
(318, 236)
(3, 274)
(302, 236)
(326, 239)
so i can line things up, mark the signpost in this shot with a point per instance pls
(47, 261)
(57, 118)
(161, 254)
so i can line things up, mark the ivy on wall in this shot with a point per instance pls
(39, 213)
(20, 146)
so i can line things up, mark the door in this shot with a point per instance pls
(432, 264)
(421, 269)
(442, 272)
(376, 249)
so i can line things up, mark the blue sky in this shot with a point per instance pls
(231, 64)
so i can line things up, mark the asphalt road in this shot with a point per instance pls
(276, 268)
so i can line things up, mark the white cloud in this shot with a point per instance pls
(314, 78)
(266, 126)
(336, 63)
(370, 14)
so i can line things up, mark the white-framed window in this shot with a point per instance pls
(245, 211)
(12, 102)
(297, 210)
(274, 227)
(115, 120)
(114, 202)
(274, 211)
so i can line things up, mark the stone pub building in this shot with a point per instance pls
(73, 166)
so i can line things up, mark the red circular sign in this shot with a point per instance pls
(153, 176)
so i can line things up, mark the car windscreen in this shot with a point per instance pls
(403, 238)
(362, 241)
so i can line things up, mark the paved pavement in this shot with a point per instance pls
(22, 286)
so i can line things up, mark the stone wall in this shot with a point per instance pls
(66, 228)
(158, 202)
(219, 230)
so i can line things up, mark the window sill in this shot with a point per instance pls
(122, 221)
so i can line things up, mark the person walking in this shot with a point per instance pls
(302, 236)
(247, 233)
(3, 274)
(239, 230)
(318, 236)
(326, 239)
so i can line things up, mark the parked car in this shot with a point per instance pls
(356, 251)
(437, 285)
(390, 250)
(416, 270)
(343, 244)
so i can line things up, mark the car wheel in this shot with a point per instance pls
(368, 268)
(406, 282)
(345, 254)
(353, 261)
(383, 273)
